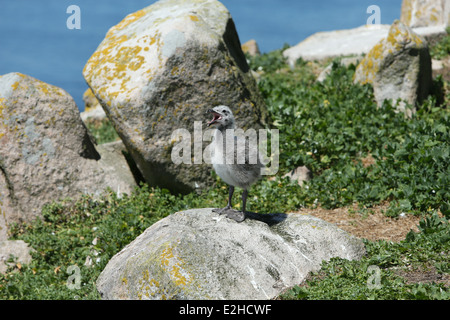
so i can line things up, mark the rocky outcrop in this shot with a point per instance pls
(324, 45)
(46, 153)
(197, 254)
(427, 18)
(159, 70)
(398, 67)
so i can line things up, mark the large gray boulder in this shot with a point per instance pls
(46, 153)
(197, 254)
(159, 70)
(398, 67)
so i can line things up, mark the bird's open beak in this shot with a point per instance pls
(216, 116)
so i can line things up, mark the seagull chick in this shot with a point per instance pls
(240, 173)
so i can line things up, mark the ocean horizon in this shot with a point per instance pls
(35, 39)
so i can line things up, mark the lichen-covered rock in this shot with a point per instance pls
(92, 109)
(45, 150)
(159, 70)
(425, 13)
(251, 47)
(428, 18)
(398, 67)
(197, 254)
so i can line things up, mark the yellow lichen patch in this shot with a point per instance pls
(150, 288)
(376, 51)
(395, 34)
(136, 64)
(193, 18)
(125, 22)
(406, 12)
(15, 85)
(175, 267)
(90, 100)
(47, 89)
(371, 63)
(103, 54)
(2, 107)
(416, 39)
(434, 15)
(398, 37)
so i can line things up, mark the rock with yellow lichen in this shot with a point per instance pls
(159, 70)
(425, 13)
(428, 18)
(46, 153)
(92, 109)
(198, 254)
(398, 67)
(251, 47)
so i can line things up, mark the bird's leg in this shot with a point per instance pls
(228, 207)
(244, 199)
(236, 215)
(230, 196)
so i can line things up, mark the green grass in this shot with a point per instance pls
(329, 127)
(385, 271)
(71, 231)
(442, 48)
(102, 130)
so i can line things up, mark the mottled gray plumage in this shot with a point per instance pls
(239, 172)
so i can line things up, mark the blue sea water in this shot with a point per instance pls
(35, 40)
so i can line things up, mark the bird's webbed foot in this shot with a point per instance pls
(230, 213)
(222, 211)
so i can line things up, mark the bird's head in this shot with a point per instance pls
(222, 118)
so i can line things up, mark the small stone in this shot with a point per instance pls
(299, 174)
(18, 249)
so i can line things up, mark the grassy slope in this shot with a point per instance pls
(329, 127)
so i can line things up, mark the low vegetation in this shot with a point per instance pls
(442, 49)
(357, 152)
